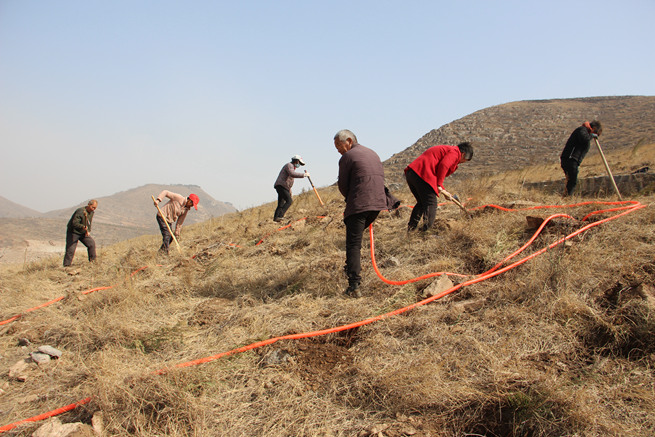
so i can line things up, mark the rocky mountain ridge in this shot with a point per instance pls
(514, 135)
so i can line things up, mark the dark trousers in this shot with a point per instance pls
(426, 201)
(570, 167)
(71, 245)
(284, 201)
(166, 236)
(355, 225)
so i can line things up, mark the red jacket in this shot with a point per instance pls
(435, 164)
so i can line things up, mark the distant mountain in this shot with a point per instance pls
(514, 135)
(134, 208)
(11, 209)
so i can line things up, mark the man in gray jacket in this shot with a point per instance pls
(283, 185)
(79, 229)
(361, 182)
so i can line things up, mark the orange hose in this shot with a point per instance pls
(47, 415)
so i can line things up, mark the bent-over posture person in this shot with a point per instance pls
(174, 211)
(361, 182)
(575, 150)
(425, 177)
(283, 185)
(79, 229)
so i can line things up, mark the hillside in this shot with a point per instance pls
(559, 345)
(486, 325)
(515, 135)
(11, 209)
(133, 208)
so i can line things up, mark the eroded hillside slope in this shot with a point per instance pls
(560, 345)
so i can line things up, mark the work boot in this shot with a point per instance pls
(353, 290)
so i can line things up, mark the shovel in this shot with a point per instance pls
(315, 192)
(607, 167)
(458, 203)
(177, 245)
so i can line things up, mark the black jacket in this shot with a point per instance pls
(577, 145)
(79, 219)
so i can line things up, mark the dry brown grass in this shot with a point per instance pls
(559, 346)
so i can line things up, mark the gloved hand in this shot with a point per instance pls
(306, 174)
(594, 135)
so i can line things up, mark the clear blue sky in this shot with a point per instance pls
(98, 97)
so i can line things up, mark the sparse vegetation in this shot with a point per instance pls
(559, 346)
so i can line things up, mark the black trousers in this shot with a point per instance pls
(426, 201)
(570, 167)
(284, 201)
(166, 237)
(355, 225)
(71, 245)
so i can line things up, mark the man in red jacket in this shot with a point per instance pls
(361, 182)
(425, 176)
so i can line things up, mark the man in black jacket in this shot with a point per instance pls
(79, 229)
(575, 150)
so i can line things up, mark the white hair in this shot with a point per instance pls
(344, 134)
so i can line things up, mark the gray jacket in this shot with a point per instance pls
(285, 178)
(361, 180)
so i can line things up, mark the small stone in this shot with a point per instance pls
(40, 358)
(390, 262)
(27, 399)
(275, 358)
(56, 353)
(17, 371)
(409, 430)
(98, 423)
(443, 283)
(24, 342)
(54, 428)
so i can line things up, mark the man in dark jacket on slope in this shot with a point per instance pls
(576, 149)
(361, 182)
(79, 229)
